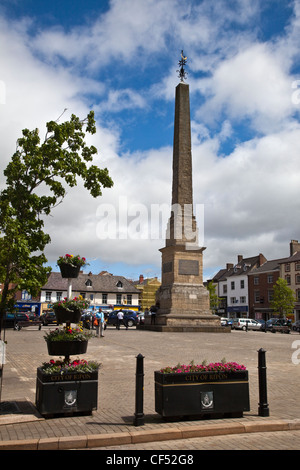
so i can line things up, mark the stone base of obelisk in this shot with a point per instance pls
(184, 308)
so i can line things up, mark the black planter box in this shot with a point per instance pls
(65, 315)
(66, 348)
(75, 392)
(68, 271)
(208, 394)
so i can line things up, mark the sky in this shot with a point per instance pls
(120, 59)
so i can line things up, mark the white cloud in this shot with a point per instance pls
(251, 85)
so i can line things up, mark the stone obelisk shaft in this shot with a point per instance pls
(182, 190)
(182, 224)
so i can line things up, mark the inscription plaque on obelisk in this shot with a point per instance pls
(182, 299)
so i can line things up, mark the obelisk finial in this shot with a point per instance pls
(182, 73)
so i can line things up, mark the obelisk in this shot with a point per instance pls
(182, 299)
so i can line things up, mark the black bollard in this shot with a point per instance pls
(263, 407)
(139, 391)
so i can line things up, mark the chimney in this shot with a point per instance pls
(240, 257)
(141, 279)
(229, 266)
(261, 260)
(294, 247)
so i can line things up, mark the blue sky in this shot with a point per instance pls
(120, 59)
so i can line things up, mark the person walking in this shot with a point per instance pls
(99, 323)
(153, 310)
(120, 319)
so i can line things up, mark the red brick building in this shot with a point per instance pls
(260, 286)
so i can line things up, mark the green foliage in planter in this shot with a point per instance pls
(62, 367)
(67, 334)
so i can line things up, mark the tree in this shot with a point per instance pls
(35, 180)
(213, 297)
(283, 298)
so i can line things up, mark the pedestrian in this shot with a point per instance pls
(120, 319)
(153, 310)
(99, 322)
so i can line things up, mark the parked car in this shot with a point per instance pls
(11, 319)
(130, 318)
(278, 324)
(296, 326)
(224, 321)
(246, 324)
(48, 318)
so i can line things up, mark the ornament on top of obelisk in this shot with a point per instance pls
(182, 73)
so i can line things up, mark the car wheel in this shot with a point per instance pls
(130, 323)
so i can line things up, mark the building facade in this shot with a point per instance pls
(104, 291)
(233, 286)
(246, 289)
(147, 288)
(261, 282)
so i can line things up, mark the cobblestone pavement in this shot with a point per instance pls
(117, 351)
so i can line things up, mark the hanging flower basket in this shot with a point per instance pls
(70, 265)
(66, 315)
(69, 311)
(66, 348)
(68, 271)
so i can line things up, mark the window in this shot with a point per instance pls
(298, 295)
(270, 278)
(88, 283)
(270, 295)
(297, 278)
(288, 278)
(224, 289)
(104, 298)
(119, 298)
(297, 266)
(256, 296)
(287, 267)
(242, 284)
(233, 300)
(256, 280)
(232, 284)
(58, 296)
(82, 294)
(129, 299)
(48, 296)
(119, 284)
(26, 295)
(243, 299)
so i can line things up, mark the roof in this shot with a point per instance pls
(99, 282)
(221, 275)
(244, 266)
(268, 266)
(291, 259)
